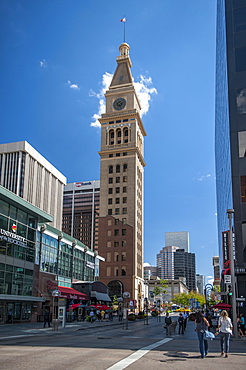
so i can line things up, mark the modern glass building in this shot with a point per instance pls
(18, 228)
(178, 239)
(230, 128)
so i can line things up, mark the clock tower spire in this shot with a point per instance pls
(122, 164)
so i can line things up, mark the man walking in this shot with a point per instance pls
(168, 322)
(46, 318)
(181, 323)
(185, 316)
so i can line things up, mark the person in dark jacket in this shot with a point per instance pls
(46, 318)
(181, 323)
(168, 323)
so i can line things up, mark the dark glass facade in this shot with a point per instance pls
(230, 127)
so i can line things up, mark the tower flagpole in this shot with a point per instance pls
(124, 21)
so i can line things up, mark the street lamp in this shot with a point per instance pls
(232, 267)
(208, 289)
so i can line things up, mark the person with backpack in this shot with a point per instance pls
(168, 323)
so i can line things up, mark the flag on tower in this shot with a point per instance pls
(123, 19)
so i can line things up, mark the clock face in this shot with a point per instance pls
(119, 103)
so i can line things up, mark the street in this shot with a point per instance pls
(107, 346)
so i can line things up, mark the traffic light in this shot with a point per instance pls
(230, 290)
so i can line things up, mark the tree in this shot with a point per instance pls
(183, 299)
(160, 287)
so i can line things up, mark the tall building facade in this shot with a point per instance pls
(178, 239)
(81, 211)
(185, 266)
(121, 185)
(200, 282)
(29, 175)
(230, 128)
(165, 262)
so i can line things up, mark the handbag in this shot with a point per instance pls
(208, 335)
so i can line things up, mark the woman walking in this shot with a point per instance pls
(225, 329)
(202, 324)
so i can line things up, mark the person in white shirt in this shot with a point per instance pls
(185, 316)
(225, 328)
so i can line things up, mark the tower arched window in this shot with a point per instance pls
(110, 169)
(111, 137)
(118, 168)
(118, 134)
(126, 133)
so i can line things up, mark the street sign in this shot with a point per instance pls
(126, 295)
(242, 299)
(227, 279)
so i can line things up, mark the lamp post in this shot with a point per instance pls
(208, 288)
(232, 267)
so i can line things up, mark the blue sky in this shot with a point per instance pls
(56, 56)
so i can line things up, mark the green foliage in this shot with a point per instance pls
(160, 287)
(183, 299)
(115, 300)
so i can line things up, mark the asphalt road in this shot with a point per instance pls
(110, 347)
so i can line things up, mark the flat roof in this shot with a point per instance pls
(25, 206)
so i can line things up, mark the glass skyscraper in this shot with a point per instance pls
(230, 128)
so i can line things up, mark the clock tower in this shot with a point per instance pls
(122, 164)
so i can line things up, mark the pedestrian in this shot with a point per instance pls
(225, 328)
(181, 323)
(102, 314)
(168, 323)
(185, 316)
(92, 316)
(98, 314)
(242, 323)
(202, 324)
(47, 318)
(239, 326)
(120, 315)
(10, 316)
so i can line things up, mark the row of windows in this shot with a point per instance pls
(117, 168)
(117, 200)
(116, 244)
(116, 270)
(117, 256)
(117, 211)
(117, 190)
(117, 154)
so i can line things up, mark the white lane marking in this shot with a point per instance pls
(15, 336)
(137, 355)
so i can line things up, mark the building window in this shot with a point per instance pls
(124, 211)
(109, 232)
(116, 271)
(108, 258)
(109, 244)
(123, 256)
(110, 180)
(110, 155)
(109, 222)
(124, 178)
(117, 168)
(124, 221)
(124, 189)
(117, 155)
(124, 200)
(116, 244)
(241, 101)
(117, 190)
(243, 189)
(117, 180)
(110, 190)
(124, 167)
(116, 221)
(124, 154)
(110, 200)
(116, 256)
(123, 244)
(117, 211)
(123, 271)
(110, 169)
(110, 212)
(108, 272)
(116, 232)
(117, 200)
(123, 232)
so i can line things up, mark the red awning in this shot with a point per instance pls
(71, 293)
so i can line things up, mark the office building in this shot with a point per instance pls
(178, 239)
(149, 271)
(29, 175)
(200, 282)
(165, 262)
(81, 211)
(185, 266)
(230, 129)
(121, 185)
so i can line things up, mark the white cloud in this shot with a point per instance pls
(73, 86)
(143, 88)
(203, 177)
(43, 63)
